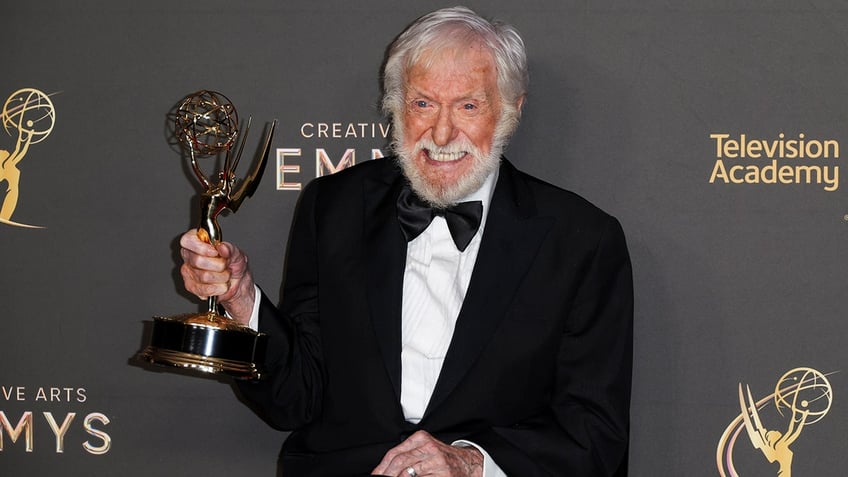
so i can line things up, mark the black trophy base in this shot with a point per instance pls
(208, 343)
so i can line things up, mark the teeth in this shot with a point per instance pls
(443, 156)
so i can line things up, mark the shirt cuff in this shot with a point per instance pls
(253, 323)
(490, 468)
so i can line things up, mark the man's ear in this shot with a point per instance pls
(519, 103)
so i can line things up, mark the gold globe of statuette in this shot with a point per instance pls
(31, 112)
(804, 392)
(207, 124)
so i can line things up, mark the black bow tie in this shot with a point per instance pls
(415, 215)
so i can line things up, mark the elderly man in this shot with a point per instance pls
(443, 314)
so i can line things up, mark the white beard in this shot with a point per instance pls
(445, 195)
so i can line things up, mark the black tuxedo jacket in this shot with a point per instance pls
(538, 370)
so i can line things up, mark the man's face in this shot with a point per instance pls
(452, 107)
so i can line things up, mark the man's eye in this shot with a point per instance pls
(469, 107)
(420, 103)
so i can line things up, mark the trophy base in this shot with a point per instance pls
(208, 343)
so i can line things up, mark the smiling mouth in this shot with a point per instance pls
(443, 156)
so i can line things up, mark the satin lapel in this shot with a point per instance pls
(385, 256)
(511, 240)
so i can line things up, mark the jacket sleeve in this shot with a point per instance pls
(290, 393)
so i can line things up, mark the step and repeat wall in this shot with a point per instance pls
(715, 131)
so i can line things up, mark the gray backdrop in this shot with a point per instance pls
(735, 282)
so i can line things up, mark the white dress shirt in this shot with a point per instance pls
(435, 281)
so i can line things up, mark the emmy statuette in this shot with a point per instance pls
(207, 125)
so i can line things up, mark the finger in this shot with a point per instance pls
(204, 284)
(206, 276)
(203, 262)
(236, 259)
(417, 439)
(412, 470)
(390, 456)
(226, 250)
(400, 466)
(393, 462)
(190, 241)
(407, 453)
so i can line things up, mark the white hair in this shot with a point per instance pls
(451, 28)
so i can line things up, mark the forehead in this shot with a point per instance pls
(469, 67)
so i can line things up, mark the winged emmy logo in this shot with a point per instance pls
(802, 396)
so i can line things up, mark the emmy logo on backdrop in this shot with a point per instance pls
(802, 396)
(207, 125)
(28, 114)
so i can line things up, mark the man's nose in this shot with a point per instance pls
(444, 130)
